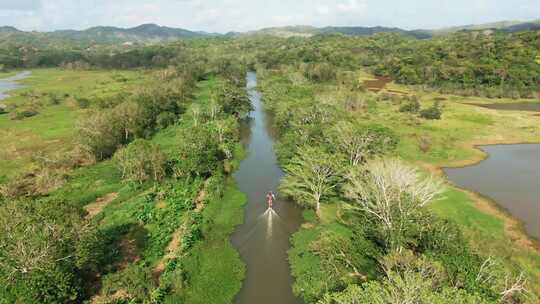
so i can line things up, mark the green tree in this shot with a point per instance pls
(312, 175)
(198, 152)
(141, 161)
(39, 257)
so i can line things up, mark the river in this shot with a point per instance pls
(10, 83)
(511, 177)
(264, 237)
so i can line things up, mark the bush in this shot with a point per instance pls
(434, 112)
(165, 119)
(99, 135)
(141, 161)
(410, 107)
(198, 152)
(320, 72)
(54, 99)
(38, 240)
(20, 114)
(82, 102)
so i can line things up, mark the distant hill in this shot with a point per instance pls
(534, 25)
(366, 31)
(8, 29)
(106, 35)
(506, 26)
(153, 33)
(142, 33)
(308, 31)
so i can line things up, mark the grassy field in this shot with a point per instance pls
(53, 128)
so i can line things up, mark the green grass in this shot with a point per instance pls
(458, 206)
(214, 266)
(53, 129)
(87, 184)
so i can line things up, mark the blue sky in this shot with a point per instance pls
(242, 15)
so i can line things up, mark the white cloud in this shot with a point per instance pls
(20, 5)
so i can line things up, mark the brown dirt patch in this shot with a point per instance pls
(96, 207)
(170, 251)
(161, 205)
(129, 252)
(308, 226)
(377, 84)
(398, 92)
(118, 295)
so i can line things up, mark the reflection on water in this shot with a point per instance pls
(263, 239)
(511, 177)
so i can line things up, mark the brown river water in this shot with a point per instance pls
(511, 177)
(264, 237)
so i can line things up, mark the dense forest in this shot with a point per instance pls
(485, 63)
(163, 150)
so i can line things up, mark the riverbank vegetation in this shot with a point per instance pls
(120, 228)
(386, 225)
(114, 175)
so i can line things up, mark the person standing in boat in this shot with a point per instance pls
(270, 197)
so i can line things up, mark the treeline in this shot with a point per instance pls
(487, 64)
(24, 57)
(52, 251)
(370, 237)
(478, 63)
(472, 63)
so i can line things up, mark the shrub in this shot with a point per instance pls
(98, 135)
(141, 161)
(433, 112)
(20, 114)
(412, 106)
(424, 143)
(198, 152)
(165, 119)
(38, 240)
(320, 72)
(82, 102)
(54, 99)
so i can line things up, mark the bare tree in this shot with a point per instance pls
(507, 285)
(391, 192)
(352, 142)
(513, 286)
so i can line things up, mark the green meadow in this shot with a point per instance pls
(53, 127)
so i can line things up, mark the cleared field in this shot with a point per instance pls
(53, 127)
